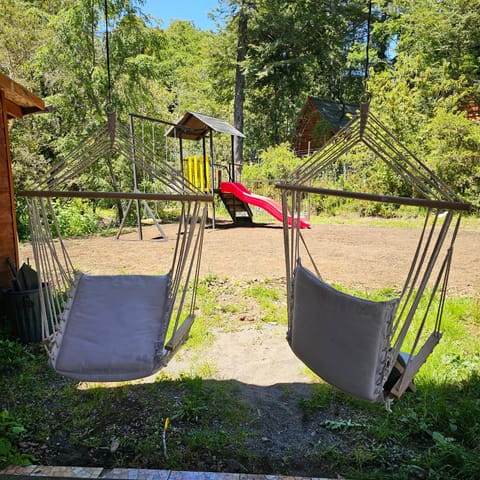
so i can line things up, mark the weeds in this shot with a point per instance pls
(10, 430)
(215, 425)
(12, 355)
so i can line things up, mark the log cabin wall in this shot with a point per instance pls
(307, 120)
(317, 121)
(472, 110)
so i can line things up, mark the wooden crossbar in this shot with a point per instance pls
(117, 195)
(180, 335)
(415, 202)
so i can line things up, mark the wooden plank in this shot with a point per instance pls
(414, 365)
(372, 197)
(13, 110)
(117, 195)
(7, 206)
(180, 335)
(19, 95)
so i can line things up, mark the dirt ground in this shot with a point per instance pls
(359, 256)
(271, 379)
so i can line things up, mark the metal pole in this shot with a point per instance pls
(180, 140)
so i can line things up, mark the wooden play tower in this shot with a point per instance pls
(15, 102)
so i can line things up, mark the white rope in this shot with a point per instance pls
(430, 246)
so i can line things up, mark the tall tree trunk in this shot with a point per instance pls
(240, 84)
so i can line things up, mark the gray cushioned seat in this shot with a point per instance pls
(343, 339)
(115, 328)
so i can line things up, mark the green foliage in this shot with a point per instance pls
(268, 297)
(12, 354)
(275, 163)
(296, 49)
(75, 218)
(453, 146)
(10, 430)
(23, 29)
(194, 405)
(423, 69)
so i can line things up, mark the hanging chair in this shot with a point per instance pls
(107, 328)
(371, 350)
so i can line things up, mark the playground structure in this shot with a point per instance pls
(204, 171)
(239, 192)
(196, 169)
(157, 144)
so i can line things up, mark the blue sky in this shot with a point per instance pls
(196, 10)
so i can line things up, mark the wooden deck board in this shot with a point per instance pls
(60, 473)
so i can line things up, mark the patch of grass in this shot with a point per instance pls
(407, 219)
(430, 434)
(271, 300)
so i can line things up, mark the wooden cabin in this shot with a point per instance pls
(15, 102)
(318, 120)
(472, 109)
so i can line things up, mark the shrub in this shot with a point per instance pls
(75, 218)
(10, 430)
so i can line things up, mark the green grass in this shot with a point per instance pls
(270, 298)
(432, 434)
(409, 220)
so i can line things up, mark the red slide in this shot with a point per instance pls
(269, 205)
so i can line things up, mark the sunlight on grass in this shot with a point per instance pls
(412, 220)
(271, 300)
(457, 355)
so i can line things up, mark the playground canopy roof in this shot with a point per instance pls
(18, 100)
(197, 125)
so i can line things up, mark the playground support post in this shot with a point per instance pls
(233, 159)
(204, 170)
(212, 176)
(135, 180)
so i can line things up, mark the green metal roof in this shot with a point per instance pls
(338, 114)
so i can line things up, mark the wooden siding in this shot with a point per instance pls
(472, 110)
(15, 102)
(305, 138)
(8, 227)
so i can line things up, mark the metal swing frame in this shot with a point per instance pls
(435, 245)
(55, 269)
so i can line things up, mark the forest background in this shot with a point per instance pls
(255, 71)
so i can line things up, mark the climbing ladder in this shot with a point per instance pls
(239, 211)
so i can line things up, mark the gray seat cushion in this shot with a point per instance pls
(343, 339)
(115, 328)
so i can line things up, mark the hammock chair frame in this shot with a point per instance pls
(435, 245)
(58, 276)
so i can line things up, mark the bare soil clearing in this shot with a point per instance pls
(357, 256)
